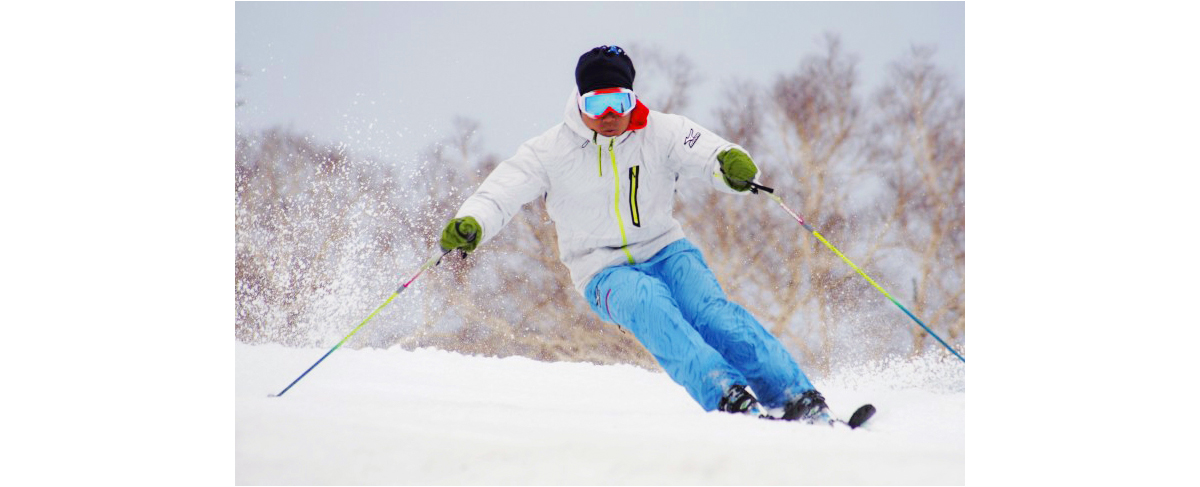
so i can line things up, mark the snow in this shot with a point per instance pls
(374, 416)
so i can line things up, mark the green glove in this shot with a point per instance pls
(737, 168)
(461, 233)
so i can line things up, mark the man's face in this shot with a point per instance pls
(610, 125)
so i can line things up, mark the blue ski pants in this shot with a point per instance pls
(674, 306)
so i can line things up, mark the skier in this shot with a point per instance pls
(608, 175)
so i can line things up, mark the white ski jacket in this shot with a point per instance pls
(611, 199)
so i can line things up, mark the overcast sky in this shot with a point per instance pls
(389, 78)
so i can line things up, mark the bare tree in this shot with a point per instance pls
(920, 142)
(664, 79)
(741, 122)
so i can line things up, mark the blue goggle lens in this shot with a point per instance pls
(595, 105)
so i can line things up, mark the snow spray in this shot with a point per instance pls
(432, 262)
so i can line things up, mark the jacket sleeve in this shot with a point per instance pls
(695, 149)
(516, 181)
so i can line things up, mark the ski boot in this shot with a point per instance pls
(738, 400)
(809, 407)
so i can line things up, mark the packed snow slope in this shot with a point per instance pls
(392, 416)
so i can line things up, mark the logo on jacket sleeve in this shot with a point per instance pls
(691, 138)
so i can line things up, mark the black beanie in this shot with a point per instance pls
(604, 67)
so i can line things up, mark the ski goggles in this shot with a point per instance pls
(595, 104)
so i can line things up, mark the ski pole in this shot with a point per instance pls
(771, 193)
(433, 261)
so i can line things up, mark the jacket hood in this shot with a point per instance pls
(574, 121)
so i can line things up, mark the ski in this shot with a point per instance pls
(860, 416)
